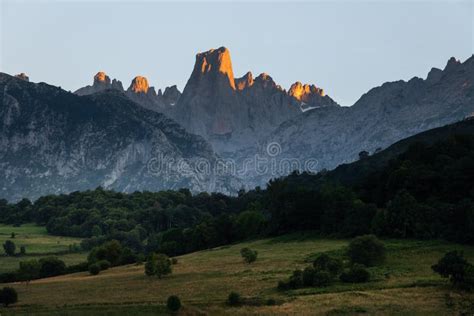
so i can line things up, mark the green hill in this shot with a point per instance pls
(405, 284)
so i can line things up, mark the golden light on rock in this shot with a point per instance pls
(139, 85)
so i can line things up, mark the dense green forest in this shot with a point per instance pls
(425, 192)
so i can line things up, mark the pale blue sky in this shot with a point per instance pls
(345, 47)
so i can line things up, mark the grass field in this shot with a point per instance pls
(38, 244)
(405, 284)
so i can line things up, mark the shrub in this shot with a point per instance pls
(270, 302)
(322, 278)
(51, 266)
(234, 299)
(356, 274)
(248, 255)
(22, 250)
(455, 267)
(12, 235)
(283, 285)
(9, 247)
(103, 264)
(173, 303)
(158, 264)
(296, 279)
(326, 263)
(94, 269)
(308, 276)
(8, 296)
(366, 250)
(174, 261)
(29, 270)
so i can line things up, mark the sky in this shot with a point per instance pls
(344, 47)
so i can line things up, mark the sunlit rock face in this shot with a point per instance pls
(309, 96)
(231, 113)
(139, 91)
(139, 85)
(52, 141)
(101, 82)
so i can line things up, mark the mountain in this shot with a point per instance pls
(139, 91)
(53, 141)
(396, 110)
(235, 113)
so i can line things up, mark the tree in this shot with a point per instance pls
(8, 296)
(248, 255)
(326, 263)
(9, 247)
(356, 274)
(22, 250)
(158, 264)
(29, 270)
(12, 236)
(163, 265)
(110, 251)
(94, 269)
(454, 266)
(366, 250)
(51, 266)
(150, 265)
(173, 303)
(234, 299)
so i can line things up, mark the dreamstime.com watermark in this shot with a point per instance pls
(268, 163)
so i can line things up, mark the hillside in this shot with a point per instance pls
(53, 141)
(203, 280)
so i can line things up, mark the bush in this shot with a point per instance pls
(326, 263)
(296, 279)
(270, 302)
(366, 250)
(158, 264)
(248, 255)
(94, 269)
(234, 299)
(455, 267)
(283, 285)
(322, 278)
(22, 250)
(9, 247)
(308, 276)
(173, 303)
(174, 261)
(8, 296)
(103, 264)
(356, 274)
(51, 266)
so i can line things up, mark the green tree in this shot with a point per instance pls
(248, 255)
(366, 250)
(173, 303)
(29, 270)
(163, 265)
(51, 266)
(234, 299)
(150, 265)
(9, 247)
(94, 269)
(8, 296)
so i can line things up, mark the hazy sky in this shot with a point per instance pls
(344, 47)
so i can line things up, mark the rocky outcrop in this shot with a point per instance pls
(231, 113)
(101, 83)
(139, 91)
(382, 116)
(23, 76)
(52, 141)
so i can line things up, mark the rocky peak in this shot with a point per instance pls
(265, 80)
(23, 76)
(171, 95)
(244, 82)
(139, 85)
(101, 78)
(117, 85)
(214, 63)
(303, 92)
(452, 64)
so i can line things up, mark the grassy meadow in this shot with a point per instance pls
(404, 285)
(38, 244)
